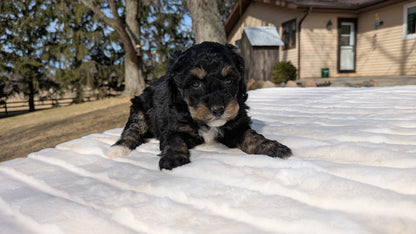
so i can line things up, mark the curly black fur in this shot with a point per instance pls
(200, 98)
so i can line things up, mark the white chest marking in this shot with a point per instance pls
(209, 134)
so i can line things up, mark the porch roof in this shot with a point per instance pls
(351, 6)
(263, 36)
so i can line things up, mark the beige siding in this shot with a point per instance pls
(258, 14)
(319, 45)
(383, 51)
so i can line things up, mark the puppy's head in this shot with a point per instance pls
(209, 78)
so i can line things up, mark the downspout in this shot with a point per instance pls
(299, 27)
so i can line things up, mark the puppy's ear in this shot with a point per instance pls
(239, 63)
(242, 90)
(238, 60)
(174, 58)
(174, 67)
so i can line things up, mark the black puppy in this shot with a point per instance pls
(201, 98)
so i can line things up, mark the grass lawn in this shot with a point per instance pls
(23, 134)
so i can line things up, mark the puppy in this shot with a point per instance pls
(200, 99)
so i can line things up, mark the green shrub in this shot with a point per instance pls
(283, 72)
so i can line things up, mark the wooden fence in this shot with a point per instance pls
(10, 108)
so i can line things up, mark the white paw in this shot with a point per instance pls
(117, 151)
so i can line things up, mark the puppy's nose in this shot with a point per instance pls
(217, 110)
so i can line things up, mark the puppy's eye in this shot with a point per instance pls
(196, 84)
(228, 82)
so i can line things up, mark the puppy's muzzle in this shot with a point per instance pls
(216, 115)
(217, 110)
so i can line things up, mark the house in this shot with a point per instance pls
(259, 46)
(350, 38)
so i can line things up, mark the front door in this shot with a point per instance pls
(346, 45)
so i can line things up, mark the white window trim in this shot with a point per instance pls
(405, 35)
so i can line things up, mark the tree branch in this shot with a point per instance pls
(113, 7)
(96, 10)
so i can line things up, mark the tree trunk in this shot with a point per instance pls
(134, 81)
(130, 37)
(79, 93)
(133, 64)
(31, 96)
(206, 21)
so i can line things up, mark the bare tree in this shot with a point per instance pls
(129, 32)
(206, 21)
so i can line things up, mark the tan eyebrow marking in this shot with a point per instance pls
(225, 70)
(199, 72)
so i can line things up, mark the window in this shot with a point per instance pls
(409, 21)
(289, 34)
(346, 36)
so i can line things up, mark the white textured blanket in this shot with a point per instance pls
(353, 171)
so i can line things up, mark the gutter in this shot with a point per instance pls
(299, 27)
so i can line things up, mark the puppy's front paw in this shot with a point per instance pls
(170, 162)
(275, 149)
(116, 151)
